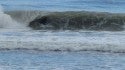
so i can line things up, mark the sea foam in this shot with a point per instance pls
(63, 41)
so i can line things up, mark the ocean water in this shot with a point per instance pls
(65, 5)
(23, 48)
(35, 60)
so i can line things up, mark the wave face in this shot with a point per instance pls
(79, 20)
(70, 20)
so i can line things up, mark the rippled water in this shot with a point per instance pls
(32, 60)
(116, 6)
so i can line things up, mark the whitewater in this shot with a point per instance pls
(56, 41)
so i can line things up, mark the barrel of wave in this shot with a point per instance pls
(6, 22)
(80, 20)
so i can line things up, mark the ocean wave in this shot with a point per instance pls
(79, 20)
(65, 41)
(70, 20)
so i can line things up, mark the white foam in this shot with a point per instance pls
(64, 41)
(7, 22)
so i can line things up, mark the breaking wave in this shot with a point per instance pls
(25, 17)
(67, 41)
(70, 20)
(7, 22)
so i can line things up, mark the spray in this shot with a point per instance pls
(7, 22)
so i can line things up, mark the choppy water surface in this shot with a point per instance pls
(31, 60)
